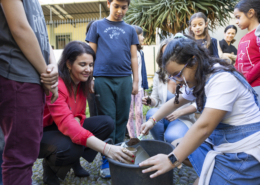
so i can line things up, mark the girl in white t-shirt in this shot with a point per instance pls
(223, 145)
(136, 100)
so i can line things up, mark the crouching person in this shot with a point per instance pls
(67, 133)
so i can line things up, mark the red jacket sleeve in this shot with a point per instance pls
(254, 73)
(64, 119)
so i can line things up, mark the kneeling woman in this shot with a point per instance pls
(223, 144)
(67, 133)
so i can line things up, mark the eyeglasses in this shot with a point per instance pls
(178, 77)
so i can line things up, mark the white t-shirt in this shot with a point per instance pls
(225, 92)
(139, 71)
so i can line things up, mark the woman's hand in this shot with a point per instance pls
(173, 116)
(119, 153)
(159, 163)
(146, 127)
(144, 100)
(233, 58)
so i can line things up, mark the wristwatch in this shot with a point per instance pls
(174, 160)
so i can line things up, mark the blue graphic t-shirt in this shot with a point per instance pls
(114, 40)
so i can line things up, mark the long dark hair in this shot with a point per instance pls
(161, 72)
(231, 27)
(139, 31)
(184, 50)
(206, 31)
(70, 53)
(245, 5)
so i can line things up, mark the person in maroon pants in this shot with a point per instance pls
(27, 69)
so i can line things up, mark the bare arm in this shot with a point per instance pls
(164, 111)
(93, 46)
(50, 77)
(23, 33)
(144, 101)
(181, 112)
(200, 131)
(196, 135)
(169, 107)
(112, 151)
(134, 65)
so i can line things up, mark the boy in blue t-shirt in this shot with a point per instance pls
(115, 44)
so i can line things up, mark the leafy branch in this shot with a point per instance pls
(172, 16)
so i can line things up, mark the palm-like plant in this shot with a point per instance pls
(172, 15)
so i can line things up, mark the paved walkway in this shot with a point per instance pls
(183, 176)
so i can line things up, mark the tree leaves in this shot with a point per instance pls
(172, 16)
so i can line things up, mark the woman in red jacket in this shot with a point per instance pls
(67, 133)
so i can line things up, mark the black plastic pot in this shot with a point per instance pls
(130, 174)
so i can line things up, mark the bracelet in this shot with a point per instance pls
(109, 149)
(154, 120)
(104, 149)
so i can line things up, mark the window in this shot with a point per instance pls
(61, 41)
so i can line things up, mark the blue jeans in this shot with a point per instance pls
(165, 130)
(230, 168)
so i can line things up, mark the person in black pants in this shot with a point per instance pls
(61, 151)
(68, 134)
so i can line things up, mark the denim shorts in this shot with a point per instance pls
(230, 168)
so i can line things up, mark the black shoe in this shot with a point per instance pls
(49, 177)
(79, 171)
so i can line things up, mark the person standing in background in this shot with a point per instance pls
(27, 68)
(198, 29)
(115, 44)
(226, 49)
(247, 14)
(136, 100)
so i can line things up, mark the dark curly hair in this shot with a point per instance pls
(70, 53)
(161, 71)
(184, 50)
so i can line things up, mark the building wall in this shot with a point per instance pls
(76, 31)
